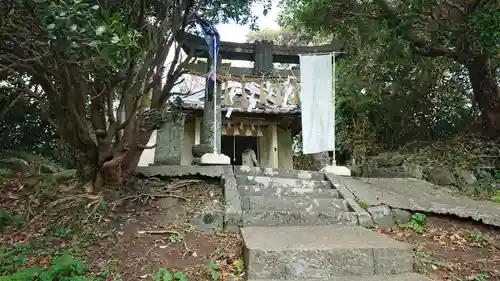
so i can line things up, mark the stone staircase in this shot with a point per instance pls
(297, 225)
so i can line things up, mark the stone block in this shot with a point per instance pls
(256, 190)
(339, 183)
(395, 277)
(169, 142)
(320, 252)
(279, 173)
(297, 218)
(401, 216)
(382, 216)
(232, 211)
(294, 203)
(364, 218)
(392, 261)
(281, 182)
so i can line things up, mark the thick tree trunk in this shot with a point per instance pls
(486, 93)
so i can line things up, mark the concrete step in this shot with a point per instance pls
(280, 173)
(297, 218)
(395, 277)
(281, 182)
(294, 203)
(322, 252)
(256, 190)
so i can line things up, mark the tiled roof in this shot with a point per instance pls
(273, 105)
(254, 110)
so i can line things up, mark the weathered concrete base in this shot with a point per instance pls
(337, 170)
(322, 252)
(215, 159)
(397, 277)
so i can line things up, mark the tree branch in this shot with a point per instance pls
(423, 46)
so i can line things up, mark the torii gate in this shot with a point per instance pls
(262, 53)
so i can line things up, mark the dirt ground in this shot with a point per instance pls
(138, 234)
(453, 249)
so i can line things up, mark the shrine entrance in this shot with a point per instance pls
(233, 146)
(269, 96)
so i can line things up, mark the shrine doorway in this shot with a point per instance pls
(233, 146)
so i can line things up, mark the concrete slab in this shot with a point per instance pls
(322, 252)
(294, 203)
(280, 173)
(291, 218)
(316, 238)
(419, 195)
(281, 182)
(256, 190)
(397, 277)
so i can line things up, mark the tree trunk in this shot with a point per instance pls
(85, 169)
(486, 93)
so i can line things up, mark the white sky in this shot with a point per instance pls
(237, 33)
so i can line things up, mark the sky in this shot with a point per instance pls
(236, 33)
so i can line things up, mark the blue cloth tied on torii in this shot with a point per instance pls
(212, 38)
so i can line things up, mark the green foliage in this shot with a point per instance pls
(417, 223)
(176, 238)
(35, 136)
(239, 266)
(477, 237)
(477, 277)
(484, 26)
(10, 219)
(102, 34)
(390, 91)
(481, 277)
(5, 173)
(164, 275)
(61, 268)
(214, 270)
(72, 60)
(496, 197)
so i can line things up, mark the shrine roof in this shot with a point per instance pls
(277, 111)
(240, 102)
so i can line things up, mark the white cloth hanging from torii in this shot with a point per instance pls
(317, 103)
